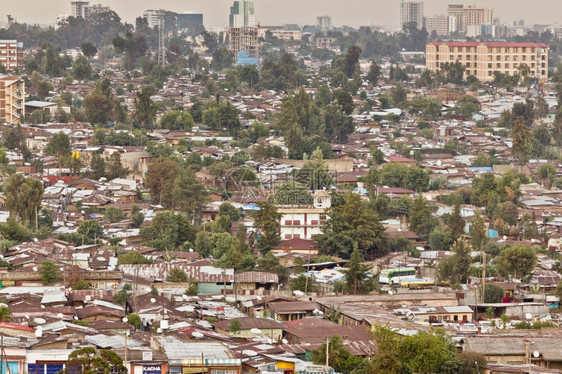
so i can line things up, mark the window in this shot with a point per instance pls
(451, 57)
(515, 49)
(543, 57)
(524, 49)
(524, 58)
(506, 65)
(288, 236)
(468, 65)
(296, 222)
(498, 50)
(506, 50)
(297, 236)
(489, 57)
(506, 58)
(490, 65)
(322, 216)
(489, 50)
(489, 73)
(451, 49)
(459, 57)
(498, 58)
(533, 57)
(468, 57)
(288, 222)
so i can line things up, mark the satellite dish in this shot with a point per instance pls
(284, 341)
(39, 332)
(536, 354)
(255, 331)
(152, 300)
(190, 249)
(390, 292)
(35, 240)
(60, 315)
(76, 318)
(35, 268)
(159, 330)
(197, 335)
(164, 324)
(39, 321)
(42, 306)
(528, 316)
(184, 297)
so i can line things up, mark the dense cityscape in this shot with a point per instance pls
(281, 198)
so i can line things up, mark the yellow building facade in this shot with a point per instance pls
(12, 99)
(482, 59)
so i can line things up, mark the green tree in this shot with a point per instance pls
(88, 361)
(357, 276)
(521, 136)
(477, 232)
(59, 146)
(97, 166)
(159, 179)
(229, 210)
(134, 320)
(137, 217)
(90, 229)
(374, 73)
(456, 268)
(176, 275)
(48, 270)
(398, 94)
(339, 357)
(133, 257)
(5, 313)
(266, 222)
(114, 214)
(145, 109)
(188, 194)
(88, 49)
(516, 261)
(421, 220)
(350, 221)
(456, 222)
(493, 293)
(177, 120)
(81, 69)
(227, 117)
(234, 327)
(23, 197)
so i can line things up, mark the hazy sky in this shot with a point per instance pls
(274, 12)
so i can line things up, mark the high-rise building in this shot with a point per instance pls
(11, 54)
(411, 11)
(84, 9)
(78, 8)
(12, 99)
(482, 59)
(437, 24)
(152, 16)
(469, 15)
(324, 23)
(242, 14)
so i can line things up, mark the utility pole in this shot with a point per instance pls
(327, 353)
(483, 276)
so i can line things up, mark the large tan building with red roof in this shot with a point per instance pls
(482, 59)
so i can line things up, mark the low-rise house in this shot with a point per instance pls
(252, 327)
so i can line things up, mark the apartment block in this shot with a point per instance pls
(84, 9)
(12, 99)
(482, 59)
(11, 54)
(437, 24)
(411, 11)
(470, 15)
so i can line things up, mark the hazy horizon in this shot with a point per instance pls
(269, 12)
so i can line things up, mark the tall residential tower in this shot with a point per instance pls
(242, 14)
(411, 11)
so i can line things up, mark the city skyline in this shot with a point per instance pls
(268, 12)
